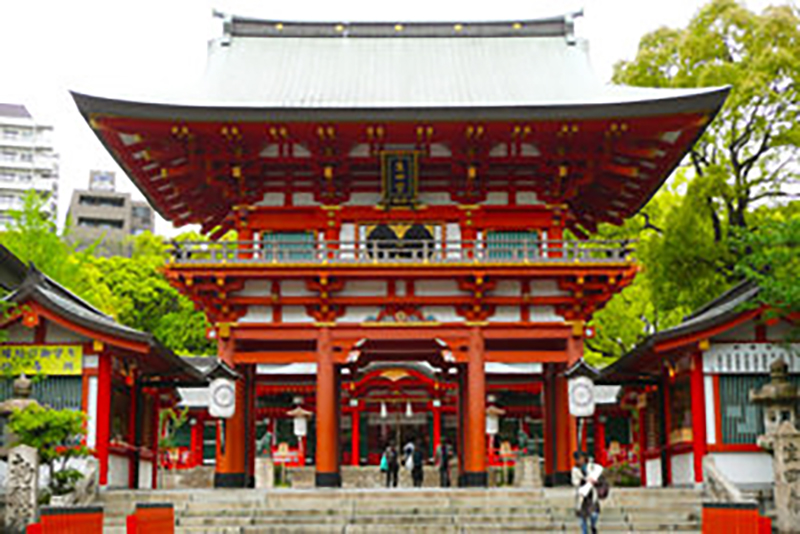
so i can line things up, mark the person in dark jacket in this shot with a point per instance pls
(392, 465)
(443, 462)
(416, 470)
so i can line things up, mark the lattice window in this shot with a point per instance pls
(58, 392)
(512, 244)
(291, 246)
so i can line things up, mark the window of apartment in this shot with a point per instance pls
(26, 156)
(6, 176)
(141, 212)
(10, 133)
(8, 155)
(106, 224)
(108, 202)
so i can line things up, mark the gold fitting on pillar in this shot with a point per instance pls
(97, 345)
(224, 330)
(704, 344)
(328, 172)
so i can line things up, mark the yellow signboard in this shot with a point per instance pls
(41, 359)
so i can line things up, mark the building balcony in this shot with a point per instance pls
(405, 253)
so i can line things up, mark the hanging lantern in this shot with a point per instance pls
(409, 411)
(384, 413)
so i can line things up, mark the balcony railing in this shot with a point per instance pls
(376, 252)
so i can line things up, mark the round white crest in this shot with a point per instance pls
(222, 393)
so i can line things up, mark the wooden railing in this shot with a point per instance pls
(378, 252)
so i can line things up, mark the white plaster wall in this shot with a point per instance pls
(711, 410)
(443, 314)
(145, 474)
(527, 198)
(304, 199)
(452, 233)
(435, 199)
(255, 288)
(431, 288)
(652, 469)
(506, 314)
(546, 288)
(347, 236)
(91, 361)
(272, 200)
(400, 288)
(295, 288)
(257, 314)
(295, 314)
(496, 198)
(745, 467)
(358, 314)
(364, 288)
(361, 150)
(542, 314)
(440, 150)
(58, 334)
(682, 466)
(743, 332)
(364, 199)
(118, 471)
(20, 334)
(91, 414)
(507, 288)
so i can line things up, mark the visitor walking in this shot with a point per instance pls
(442, 460)
(586, 478)
(416, 468)
(390, 465)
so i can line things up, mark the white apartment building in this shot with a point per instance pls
(27, 161)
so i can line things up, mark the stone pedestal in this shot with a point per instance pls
(22, 488)
(786, 462)
(265, 473)
(527, 472)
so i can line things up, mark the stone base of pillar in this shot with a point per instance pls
(230, 480)
(474, 480)
(558, 479)
(528, 473)
(328, 480)
(265, 473)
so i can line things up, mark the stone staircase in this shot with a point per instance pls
(410, 511)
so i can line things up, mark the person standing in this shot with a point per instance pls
(585, 477)
(390, 465)
(443, 462)
(416, 469)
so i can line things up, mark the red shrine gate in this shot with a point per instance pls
(401, 193)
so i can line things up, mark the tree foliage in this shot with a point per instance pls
(723, 215)
(56, 436)
(132, 290)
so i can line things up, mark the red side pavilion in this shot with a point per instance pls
(402, 196)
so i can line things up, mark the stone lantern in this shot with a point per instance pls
(20, 399)
(778, 400)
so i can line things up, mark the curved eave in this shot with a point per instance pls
(706, 101)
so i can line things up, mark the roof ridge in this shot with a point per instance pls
(553, 26)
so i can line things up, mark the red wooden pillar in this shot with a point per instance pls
(436, 408)
(642, 446)
(667, 454)
(475, 444)
(231, 467)
(197, 442)
(565, 430)
(355, 429)
(103, 414)
(327, 453)
(698, 416)
(133, 438)
(156, 436)
(600, 439)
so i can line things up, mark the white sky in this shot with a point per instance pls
(113, 48)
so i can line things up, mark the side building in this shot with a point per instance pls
(27, 161)
(101, 213)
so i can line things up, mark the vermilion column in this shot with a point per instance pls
(103, 435)
(231, 469)
(437, 427)
(475, 444)
(355, 428)
(698, 416)
(565, 429)
(327, 448)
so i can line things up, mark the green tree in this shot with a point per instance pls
(56, 435)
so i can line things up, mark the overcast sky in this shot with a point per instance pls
(113, 48)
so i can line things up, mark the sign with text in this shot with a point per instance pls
(399, 171)
(57, 360)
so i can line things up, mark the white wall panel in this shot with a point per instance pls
(435, 199)
(118, 471)
(496, 198)
(255, 288)
(272, 200)
(711, 410)
(295, 288)
(295, 314)
(304, 199)
(257, 314)
(652, 469)
(91, 413)
(364, 199)
(683, 469)
(745, 467)
(364, 288)
(546, 288)
(358, 314)
(506, 314)
(443, 314)
(507, 288)
(527, 198)
(432, 288)
(544, 314)
(58, 334)
(145, 474)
